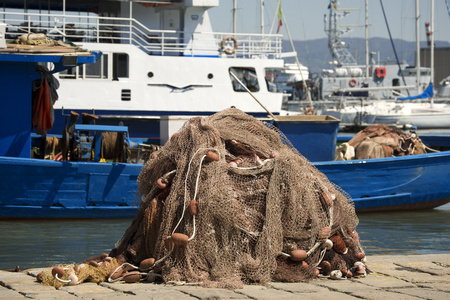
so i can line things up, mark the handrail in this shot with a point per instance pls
(95, 29)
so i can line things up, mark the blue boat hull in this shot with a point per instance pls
(34, 188)
(49, 189)
(394, 183)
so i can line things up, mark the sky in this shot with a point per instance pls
(305, 18)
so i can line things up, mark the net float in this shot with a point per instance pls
(316, 272)
(116, 273)
(211, 156)
(93, 263)
(328, 244)
(39, 276)
(103, 256)
(147, 263)
(161, 183)
(346, 273)
(325, 266)
(106, 264)
(193, 208)
(77, 268)
(108, 258)
(298, 255)
(338, 244)
(232, 164)
(324, 233)
(168, 243)
(58, 271)
(179, 239)
(336, 274)
(359, 255)
(73, 279)
(304, 265)
(328, 197)
(132, 277)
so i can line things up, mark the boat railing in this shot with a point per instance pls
(114, 30)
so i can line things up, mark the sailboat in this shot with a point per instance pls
(372, 102)
(419, 110)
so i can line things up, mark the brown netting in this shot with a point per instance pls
(257, 204)
(228, 201)
(378, 141)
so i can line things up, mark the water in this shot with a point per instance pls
(32, 244)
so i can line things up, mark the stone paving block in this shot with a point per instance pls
(424, 293)
(384, 282)
(427, 267)
(6, 293)
(88, 290)
(401, 272)
(439, 286)
(298, 287)
(263, 293)
(370, 292)
(166, 294)
(210, 293)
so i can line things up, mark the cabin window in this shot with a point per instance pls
(248, 78)
(98, 70)
(120, 66)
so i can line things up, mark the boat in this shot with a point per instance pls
(159, 58)
(86, 186)
(86, 183)
(375, 79)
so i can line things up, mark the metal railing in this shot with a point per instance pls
(114, 30)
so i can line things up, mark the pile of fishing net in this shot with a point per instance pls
(228, 201)
(378, 141)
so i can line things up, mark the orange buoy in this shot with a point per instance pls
(179, 239)
(132, 277)
(58, 270)
(77, 268)
(298, 255)
(161, 183)
(147, 263)
(338, 244)
(212, 156)
(359, 255)
(346, 273)
(39, 276)
(116, 273)
(304, 265)
(193, 208)
(325, 267)
(93, 263)
(352, 82)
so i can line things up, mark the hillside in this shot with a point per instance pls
(315, 53)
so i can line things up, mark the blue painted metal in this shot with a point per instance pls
(34, 188)
(17, 71)
(313, 136)
(393, 183)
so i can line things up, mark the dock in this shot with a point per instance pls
(392, 277)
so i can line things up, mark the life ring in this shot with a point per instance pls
(380, 72)
(229, 44)
(352, 82)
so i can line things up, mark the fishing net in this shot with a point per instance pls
(228, 201)
(378, 141)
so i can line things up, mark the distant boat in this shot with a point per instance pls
(159, 58)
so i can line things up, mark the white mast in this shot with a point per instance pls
(419, 90)
(367, 41)
(234, 15)
(432, 50)
(262, 16)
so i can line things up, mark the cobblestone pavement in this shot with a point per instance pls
(393, 277)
